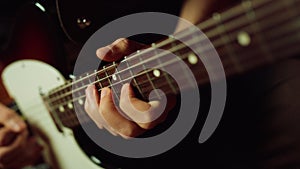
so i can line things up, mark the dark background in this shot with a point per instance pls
(70, 34)
(8, 12)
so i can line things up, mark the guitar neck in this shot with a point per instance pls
(247, 36)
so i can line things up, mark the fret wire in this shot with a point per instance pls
(117, 72)
(89, 77)
(240, 21)
(109, 81)
(80, 88)
(76, 86)
(80, 102)
(148, 77)
(120, 71)
(273, 36)
(80, 79)
(225, 38)
(232, 24)
(236, 10)
(250, 13)
(59, 103)
(245, 61)
(78, 105)
(284, 28)
(64, 113)
(54, 113)
(116, 75)
(248, 29)
(164, 74)
(89, 120)
(133, 77)
(182, 68)
(233, 12)
(74, 99)
(276, 45)
(98, 79)
(226, 15)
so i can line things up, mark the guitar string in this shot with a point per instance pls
(286, 54)
(275, 41)
(78, 98)
(227, 15)
(74, 117)
(289, 52)
(167, 63)
(113, 66)
(89, 76)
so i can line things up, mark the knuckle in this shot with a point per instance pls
(121, 44)
(121, 40)
(125, 42)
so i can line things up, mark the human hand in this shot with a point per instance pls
(105, 113)
(16, 149)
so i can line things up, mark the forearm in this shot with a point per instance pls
(196, 11)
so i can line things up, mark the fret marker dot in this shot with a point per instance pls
(171, 37)
(72, 76)
(216, 16)
(244, 39)
(156, 73)
(114, 77)
(70, 105)
(61, 108)
(80, 101)
(193, 59)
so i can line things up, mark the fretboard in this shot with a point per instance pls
(250, 35)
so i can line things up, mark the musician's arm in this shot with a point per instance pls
(196, 11)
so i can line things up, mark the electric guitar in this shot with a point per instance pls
(34, 38)
(248, 36)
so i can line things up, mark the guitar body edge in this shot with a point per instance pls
(25, 80)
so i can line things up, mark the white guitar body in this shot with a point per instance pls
(25, 80)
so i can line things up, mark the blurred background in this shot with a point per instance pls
(70, 22)
(8, 12)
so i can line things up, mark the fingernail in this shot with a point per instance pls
(15, 126)
(125, 87)
(103, 92)
(101, 52)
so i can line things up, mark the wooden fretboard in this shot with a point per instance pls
(250, 35)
